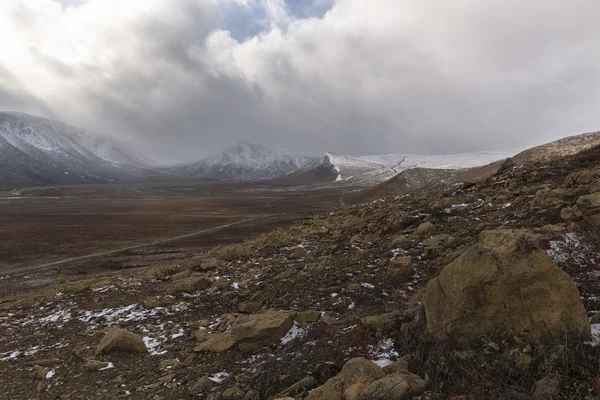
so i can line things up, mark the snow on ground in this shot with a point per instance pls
(385, 354)
(294, 332)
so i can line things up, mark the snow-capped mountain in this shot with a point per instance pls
(244, 161)
(369, 170)
(36, 150)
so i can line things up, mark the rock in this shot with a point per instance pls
(400, 268)
(171, 364)
(424, 227)
(549, 386)
(255, 331)
(288, 273)
(166, 378)
(579, 178)
(117, 339)
(40, 372)
(307, 317)
(356, 371)
(154, 302)
(549, 198)
(209, 264)
(401, 364)
(94, 365)
(360, 379)
(353, 287)
(191, 284)
(45, 362)
(201, 335)
(302, 386)
(504, 284)
(590, 208)
(382, 322)
(595, 318)
(216, 343)
(182, 275)
(234, 393)
(202, 385)
(249, 308)
(397, 386)
(437, 241)
(570, 214)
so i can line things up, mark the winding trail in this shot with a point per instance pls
(133, 247)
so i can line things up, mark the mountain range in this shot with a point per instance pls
(35, 151)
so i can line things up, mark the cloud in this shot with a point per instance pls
(182, 78)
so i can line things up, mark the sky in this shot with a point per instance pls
(180, 79)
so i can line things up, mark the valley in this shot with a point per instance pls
(136, 225)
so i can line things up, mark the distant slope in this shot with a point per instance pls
(244, 161)
(36, 150)
(344, 169)
(559, 148)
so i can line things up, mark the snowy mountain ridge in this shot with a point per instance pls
(243, 161)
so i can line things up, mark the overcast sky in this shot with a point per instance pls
(183, 78)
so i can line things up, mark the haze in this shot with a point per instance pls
(182, 78)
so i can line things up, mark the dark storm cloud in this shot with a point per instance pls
(353, 76)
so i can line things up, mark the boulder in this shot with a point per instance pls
(217, 343)
(381, 322)
(579, 178)
(255, 331)
(400, 268)
(505, 283)
(570, 214)
(550, 198)
(360, 379)
(189, 285)
(590, 208)
(201, 386)
(437, 241)
(249, 307)
(397, 386)
(117, 339)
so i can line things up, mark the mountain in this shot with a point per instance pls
(369, 170)
(559, 148)
(244, 161)
(36, 150)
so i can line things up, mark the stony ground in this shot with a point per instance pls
(282, 313)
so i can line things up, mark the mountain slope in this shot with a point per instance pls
(370, 170)
(244, 161)
(559, 148)
(36, 150)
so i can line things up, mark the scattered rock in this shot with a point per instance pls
(424, 227)
(234, 393)
(189, 285)
(117, 339)
(202, 385)
(590, 207)
(504, 284)
(401, 268)
(94, 365)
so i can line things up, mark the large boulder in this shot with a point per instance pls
(117, 339)
(360, 379)
(580, 178)
(504, 284)
(253, 332)
(249, 332)
(590, 208)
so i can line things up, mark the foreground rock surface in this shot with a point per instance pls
(504, 284)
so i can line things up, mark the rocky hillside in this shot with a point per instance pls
(483, 290)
